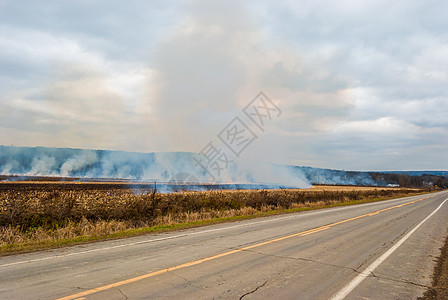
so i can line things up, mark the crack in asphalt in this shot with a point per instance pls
(121, 292)
(303, 259)
(254, 290)
(384, 277)
(401, 280)
(187, 281)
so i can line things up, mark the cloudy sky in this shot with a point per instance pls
(362, 85)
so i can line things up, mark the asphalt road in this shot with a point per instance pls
(383, 250)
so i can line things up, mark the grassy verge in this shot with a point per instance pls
(20, 238)
(439, 287)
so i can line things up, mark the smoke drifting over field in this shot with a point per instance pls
(139, 166)
(174, 167)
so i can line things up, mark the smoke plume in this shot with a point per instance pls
(174, 167)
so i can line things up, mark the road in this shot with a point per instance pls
(382, 250)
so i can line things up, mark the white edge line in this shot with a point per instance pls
(184, 235)
(358, 279)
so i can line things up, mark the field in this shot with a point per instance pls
(348, 188)
(38, 215)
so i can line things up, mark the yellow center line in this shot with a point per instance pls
(196, 262)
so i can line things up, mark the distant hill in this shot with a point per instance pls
(329, 176)
(398, 178)
(420, 173)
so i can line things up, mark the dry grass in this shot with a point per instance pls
(350, 188)
(33, 215)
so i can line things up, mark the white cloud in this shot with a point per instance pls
(358, 82)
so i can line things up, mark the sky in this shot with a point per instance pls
(359, 85)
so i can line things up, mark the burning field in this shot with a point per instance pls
(43, 214)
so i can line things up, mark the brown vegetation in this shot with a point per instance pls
(32, 213)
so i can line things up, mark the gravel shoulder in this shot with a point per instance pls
(439, 288)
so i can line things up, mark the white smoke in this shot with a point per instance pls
(78, 162)
(42, 165)
(8, 168)
(275, 174)
(163, 167)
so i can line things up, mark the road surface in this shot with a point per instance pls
(382, 250)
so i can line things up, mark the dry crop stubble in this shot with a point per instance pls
(49, 216)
